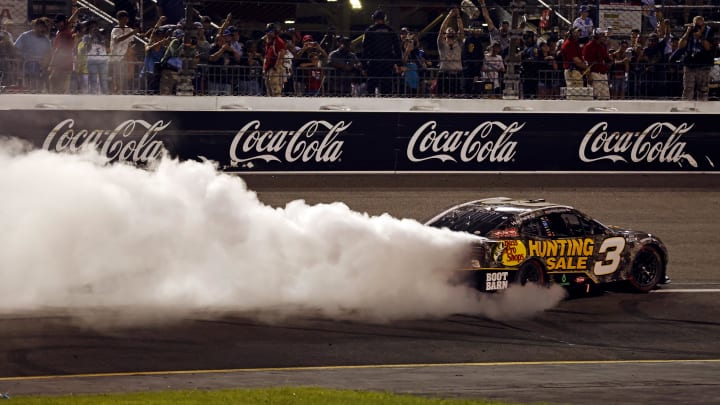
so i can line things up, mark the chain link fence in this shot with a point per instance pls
(413, 71)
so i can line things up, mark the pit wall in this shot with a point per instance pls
(375, 135)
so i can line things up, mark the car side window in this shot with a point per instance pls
(532, 228)
(556, 226)
(590, 227)
(573, 224)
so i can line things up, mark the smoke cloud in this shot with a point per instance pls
(83, 236)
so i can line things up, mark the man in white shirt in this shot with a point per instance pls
(585, 24)
(120, 39)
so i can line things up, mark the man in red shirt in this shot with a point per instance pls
(596, 56)
(273, 66)
(61, 57)
(572, 59)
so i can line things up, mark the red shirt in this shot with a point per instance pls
(596, 56)
(570, 49)
(272, 50)
(63, 45)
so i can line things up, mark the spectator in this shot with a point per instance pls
(154, 52)
(95, 47)
(348, 69)
(131, 7)
(413, 63)
(547, 68)
(120, 38)
(8, 54)
(5, 33)
(308, 70)
(251, 62)
(698, 60)
(312, 77)
(634, 51)
(60, 66)
(649, 18)
(450, 45)
(209, 29)
(674, 69)
(494, 67)
(530, 64)
(381, 53)
(173, 10)
(273, 70)
(573, 63)
(222, 56)
(653, 60)
(472, 57)
(288, 64)
(171, 63)
(501, 35)
(34, 47)
(619, 71)
(585, 24)
(597, 58)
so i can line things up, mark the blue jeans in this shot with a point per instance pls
(97, 76)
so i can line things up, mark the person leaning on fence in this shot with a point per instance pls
(251, 70)
(34, 47)
(597, 58)
(619, 71)
(273, 70)
(697, 60)
(348, 69)
(308, 63)
(494, 67)
(573, 63)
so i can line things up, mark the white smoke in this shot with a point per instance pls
(146, 245)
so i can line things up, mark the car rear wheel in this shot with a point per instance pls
(647, 270)
(531, 272)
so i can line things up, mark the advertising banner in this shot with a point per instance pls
(251, 141)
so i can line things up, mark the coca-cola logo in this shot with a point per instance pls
(316, 141)
(123, 143)
(489, 141)
(660, 142)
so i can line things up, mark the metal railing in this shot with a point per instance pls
(657, 81)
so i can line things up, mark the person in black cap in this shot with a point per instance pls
(61, 57)
(273, 69)
(348, 69)
(381, 54)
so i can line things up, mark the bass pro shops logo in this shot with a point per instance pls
(489, 141)
(131, 141)
(315, 141)
(659, 142)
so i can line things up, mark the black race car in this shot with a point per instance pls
(539, 242)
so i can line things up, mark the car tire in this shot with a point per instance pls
(531, 272)
(647, 270)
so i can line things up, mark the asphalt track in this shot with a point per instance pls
(618, 347)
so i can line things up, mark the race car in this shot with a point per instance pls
(533, 241)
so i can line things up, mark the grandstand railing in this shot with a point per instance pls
(658, 81)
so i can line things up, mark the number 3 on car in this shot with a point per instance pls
(611, 248)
